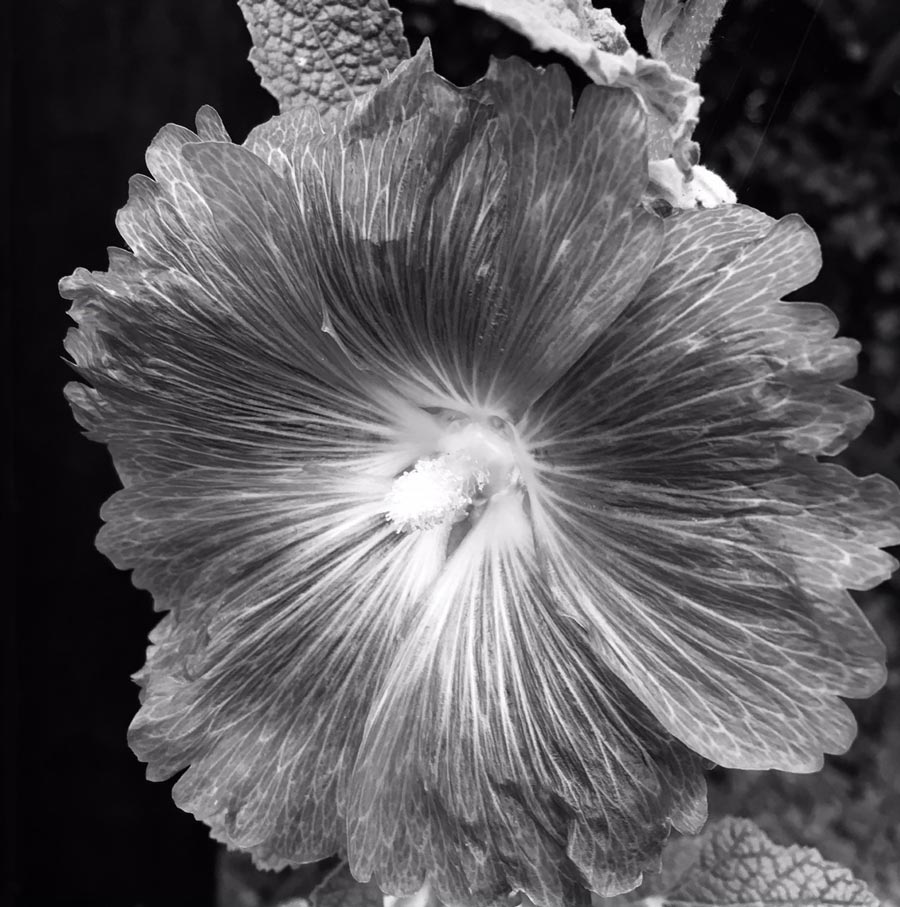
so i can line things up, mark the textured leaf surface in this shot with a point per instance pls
(323, 52)
(678, 31)
(734, 862)
(576, 30)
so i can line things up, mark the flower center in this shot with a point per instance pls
(473, 464)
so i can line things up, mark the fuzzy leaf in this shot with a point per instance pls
(559, 25)
(587, 36)
(734, 863)
(322, 52)
(678, 31)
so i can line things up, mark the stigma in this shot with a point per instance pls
(473, 463)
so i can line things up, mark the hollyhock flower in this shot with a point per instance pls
(485, 503)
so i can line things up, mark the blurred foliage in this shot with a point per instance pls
(802, 113)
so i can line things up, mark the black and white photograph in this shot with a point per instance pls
(452, 453)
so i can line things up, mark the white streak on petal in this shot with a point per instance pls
(503, 733)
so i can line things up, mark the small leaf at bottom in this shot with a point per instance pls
(737, 864)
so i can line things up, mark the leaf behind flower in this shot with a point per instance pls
(678, 31)
(322, 53)
(557, 24)
(734, 863)
(592, 39)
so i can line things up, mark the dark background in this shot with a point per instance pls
(802, 114)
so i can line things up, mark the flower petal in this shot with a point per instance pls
(478, 239)
(260, 680)
(501, 754)
(256, 459)
(705, 547)
(205, 347)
